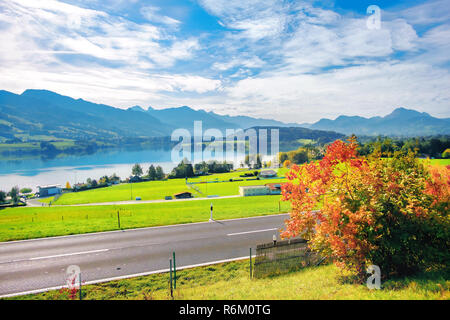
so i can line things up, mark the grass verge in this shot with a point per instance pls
(231, 281)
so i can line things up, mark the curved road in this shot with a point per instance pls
(38, 265)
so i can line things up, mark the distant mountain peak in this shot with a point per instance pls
(137, 108)
(404, 112)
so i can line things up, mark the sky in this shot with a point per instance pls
(294, 61)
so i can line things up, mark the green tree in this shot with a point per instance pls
(300, 157)
(159, 173)
(183, 170)
(2, 196)
(152, 172)
(258, 164)
(14, 194)
(137, 170)
(25, 190)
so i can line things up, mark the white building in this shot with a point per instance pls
(268, 189)
(51, 190)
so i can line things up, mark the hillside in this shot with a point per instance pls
(292, 138)
(37, 113)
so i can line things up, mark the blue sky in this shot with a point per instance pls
(295, 61)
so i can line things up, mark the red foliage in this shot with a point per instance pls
(359, 199)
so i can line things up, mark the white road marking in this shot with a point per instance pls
(125, 276)
(68, 254)
(246, 232)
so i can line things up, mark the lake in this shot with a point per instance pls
(77, 168)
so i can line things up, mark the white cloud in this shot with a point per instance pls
(368, 90)
(57, 46)
(151, 13)
(276, 59)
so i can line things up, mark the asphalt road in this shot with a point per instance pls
(34, 265)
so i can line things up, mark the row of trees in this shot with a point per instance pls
(186, 170)
(93, 183)
(434, 147)
(212, 167)
(153, 173)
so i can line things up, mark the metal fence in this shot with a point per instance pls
(282, 257)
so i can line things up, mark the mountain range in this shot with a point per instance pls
(401, 122)
(39, 114)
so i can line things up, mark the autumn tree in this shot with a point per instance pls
(390, 212)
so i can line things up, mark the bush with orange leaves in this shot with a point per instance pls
(390, 212)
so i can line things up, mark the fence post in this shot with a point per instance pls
(174, 272)
(250, 263)
(118, 218)
(170, 277)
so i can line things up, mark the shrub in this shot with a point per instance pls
(388, 212)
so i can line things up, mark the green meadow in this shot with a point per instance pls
(37, 222)
(218, 184)
(442, 162)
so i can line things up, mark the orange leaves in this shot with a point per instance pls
(439, 184)
(364, 197)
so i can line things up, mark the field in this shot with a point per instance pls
(155, 190)
(231, 281)
(36, 222)
(442, 162)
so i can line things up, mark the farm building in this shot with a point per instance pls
(274, 188)
(51, 190)
(183, 195)
(268, 189)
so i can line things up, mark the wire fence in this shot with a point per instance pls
(281, 257)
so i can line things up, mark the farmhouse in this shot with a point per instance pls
(183, 195)
(50, 190)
